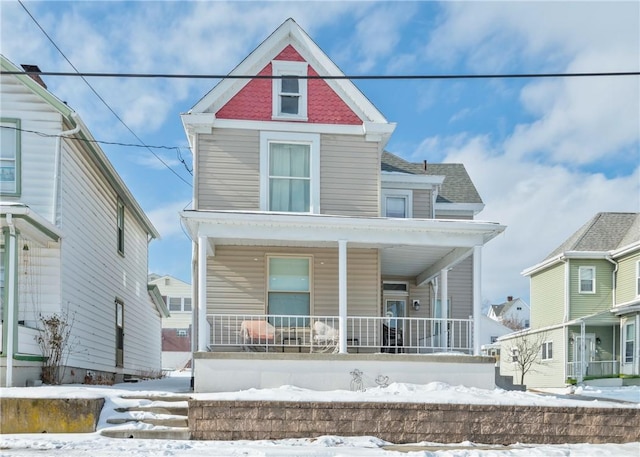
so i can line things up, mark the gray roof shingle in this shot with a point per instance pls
(604, 232)
(457, 186)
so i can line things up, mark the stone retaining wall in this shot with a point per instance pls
(410, 423)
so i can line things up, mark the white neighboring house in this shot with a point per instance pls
(513, 313)
(74, 241)
(490, 331)
(176, 328)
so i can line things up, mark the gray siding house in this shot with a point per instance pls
(312, 244)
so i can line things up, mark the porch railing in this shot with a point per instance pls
(595, 368)
(321, 334)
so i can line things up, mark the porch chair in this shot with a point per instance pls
(324, 338)
(257, 336)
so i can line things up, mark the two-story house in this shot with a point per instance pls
(176, 328)
(515, 313)
(74, 244)
(309, 237)
(585, 302)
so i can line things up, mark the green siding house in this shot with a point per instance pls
(585, 305)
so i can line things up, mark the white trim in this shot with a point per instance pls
(457, 209)
(406, 194)
(544, 351)
(388, 178)
(313, 140)
(285, 68)
(595, 255)
(581, 268)
(638, 278)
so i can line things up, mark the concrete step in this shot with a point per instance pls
(172, 410)
(167, 422)
(167, 398)
(169, 433)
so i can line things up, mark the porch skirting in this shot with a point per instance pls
(233, 371)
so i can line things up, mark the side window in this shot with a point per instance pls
(10, 157)
(638, 278)
(289, 90)
(629, 342)
(120, 223)
(587, 280)
(547, 350)
(397, 203)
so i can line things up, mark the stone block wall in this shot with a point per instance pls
(409, 423)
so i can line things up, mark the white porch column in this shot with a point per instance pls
(11, 284)
(444, 307)
(342, 295)
(477, 297)
(203, 334)
(583, 350)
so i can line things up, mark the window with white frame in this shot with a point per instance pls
(587, 280)
(638, 278)
(289, 172)
(397, 203)
(179, 304)
(289, 90)
(10, 157)
(289, 290)
(629, 341)
(547, 350)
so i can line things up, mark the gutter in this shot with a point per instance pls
(56, 172)
(614, 275)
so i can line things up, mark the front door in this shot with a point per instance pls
(585, 346)
(395, 308)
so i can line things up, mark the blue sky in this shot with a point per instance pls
(545, 154)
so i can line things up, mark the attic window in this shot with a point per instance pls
(289, 90)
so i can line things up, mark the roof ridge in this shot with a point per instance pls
(587, 227)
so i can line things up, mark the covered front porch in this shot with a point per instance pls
(351, 286)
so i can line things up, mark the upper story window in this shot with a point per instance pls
(289, 90)
(10, 165)
(587, 280)
(179, 304)
(289, 172)
(638, 278)
(397, 203)
(120, 224)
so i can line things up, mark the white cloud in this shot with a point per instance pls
(166, 218)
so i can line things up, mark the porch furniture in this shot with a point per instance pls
(324, 337)
(392, 340)
(257, 335)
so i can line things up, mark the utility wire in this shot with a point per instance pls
(337, 77)
(81, 75)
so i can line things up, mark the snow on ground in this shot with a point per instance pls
(94, 444)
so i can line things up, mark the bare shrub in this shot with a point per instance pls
(54, 342)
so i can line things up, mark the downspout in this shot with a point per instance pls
(567, 286)
(11, 294)
(56, 167)
(614, 276)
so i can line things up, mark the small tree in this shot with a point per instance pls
(513, 323)
(525, 350)
(53, 339)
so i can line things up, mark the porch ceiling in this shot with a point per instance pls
(417, 248)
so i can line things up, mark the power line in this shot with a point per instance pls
(77, 73)
(177, 149)
(336, 77)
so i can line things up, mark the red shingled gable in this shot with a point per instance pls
(254, 101)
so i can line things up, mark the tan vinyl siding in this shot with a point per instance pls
(237, 280)
(228, 167)
(422, 204)
(584, 304)
(627, 279)
(349, 176)
(461, 289)
(547, 296)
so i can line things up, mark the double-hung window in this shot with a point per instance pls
(629, 342)
(289, 290)
(638, 278)
(180, 304)
(547, 350)
(289, 172)
(10, 157)
(587, 280)
(289, 90)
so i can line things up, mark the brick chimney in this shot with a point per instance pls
(510, 298)
(34, 70)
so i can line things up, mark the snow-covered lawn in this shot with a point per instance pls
(95, 445)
